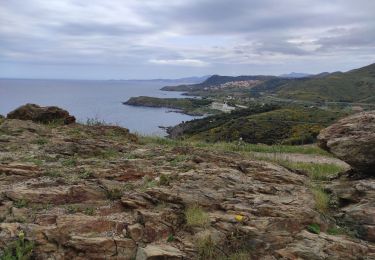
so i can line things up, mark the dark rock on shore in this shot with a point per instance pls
(40, 114)
(352, 139)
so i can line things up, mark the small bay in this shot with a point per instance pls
(99, 99)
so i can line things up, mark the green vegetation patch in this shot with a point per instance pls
(313, 228)
(21, 249)
(21, 203)
(266, 124)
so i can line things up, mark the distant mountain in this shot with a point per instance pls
(353, 86)
(187, 80)
(295, 75)
(320, 75)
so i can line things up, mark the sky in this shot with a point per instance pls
(144, 39)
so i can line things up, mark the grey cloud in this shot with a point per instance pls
(99, 29)
(225, 34)
(355, 37)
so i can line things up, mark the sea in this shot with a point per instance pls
(98, 99)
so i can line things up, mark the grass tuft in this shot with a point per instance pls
(206, 247)
(316, 171)
(235, 146)
(321, 199)
(196, 216)
(114, 194)
(21, 203)
(95, 121)
(70, 162)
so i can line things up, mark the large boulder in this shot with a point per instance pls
(352, 139)
(41, 114)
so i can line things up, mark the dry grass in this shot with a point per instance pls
(321, 199)
(196, 216)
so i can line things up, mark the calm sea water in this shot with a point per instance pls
(94, 99)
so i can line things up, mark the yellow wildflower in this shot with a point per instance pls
(239, 218)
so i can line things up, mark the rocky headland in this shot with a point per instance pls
(99, 192)
(188, 106)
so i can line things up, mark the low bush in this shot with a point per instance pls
(313, 228)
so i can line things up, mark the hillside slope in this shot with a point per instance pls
(267, 124)
(353, 86)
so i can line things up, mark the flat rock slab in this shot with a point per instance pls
(154, 252)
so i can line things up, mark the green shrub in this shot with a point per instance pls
(313, 228)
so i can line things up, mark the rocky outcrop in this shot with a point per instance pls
(355, 202)
(81, 192)
(352, 139)
(42, 114)
(322, 246)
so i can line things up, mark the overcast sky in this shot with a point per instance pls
(122, 39)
